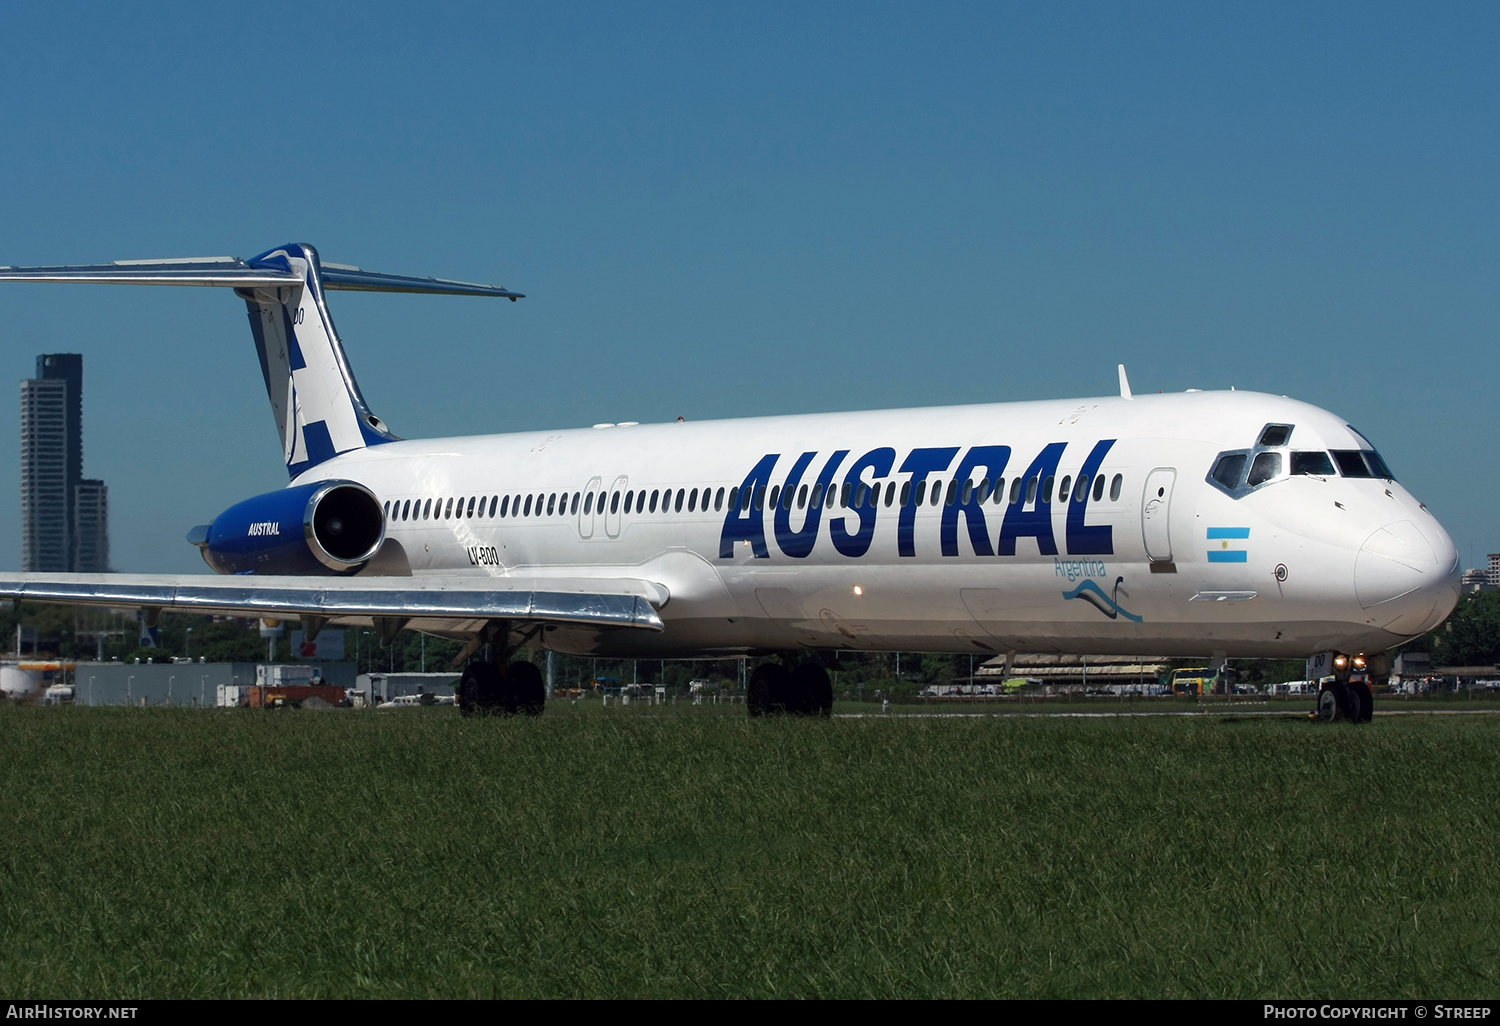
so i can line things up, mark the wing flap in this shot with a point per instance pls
(582, 602)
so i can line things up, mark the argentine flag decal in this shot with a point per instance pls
(1225, 551)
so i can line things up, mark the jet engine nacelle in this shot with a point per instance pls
(327, 527)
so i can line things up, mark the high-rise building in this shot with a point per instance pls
(91, 527)
(45, 519)
(1494, 570)
(65, 523)
(68, 368)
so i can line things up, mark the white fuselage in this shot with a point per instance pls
(1152, 559)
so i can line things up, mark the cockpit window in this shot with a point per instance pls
(1230, 469)
(1267, 467)
(1314, 463)
(1352, 463)
(1377, 465)
(1275, 435)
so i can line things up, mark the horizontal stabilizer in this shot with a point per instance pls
(232, 272)
(320, 412)
(454, 601)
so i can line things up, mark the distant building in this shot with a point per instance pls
(1477, 579)
(91, 527)
(64, 519)
(1494, 571)
(44, 477)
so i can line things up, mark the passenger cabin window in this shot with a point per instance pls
(718, 500)
(1114, 487)
(1274, 436)
(471, 507)
(1314, 463)
(1064, 487)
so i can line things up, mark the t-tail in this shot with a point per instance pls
(319, 409)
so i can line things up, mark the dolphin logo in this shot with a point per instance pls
(1106, 604)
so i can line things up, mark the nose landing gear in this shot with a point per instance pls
(1346, 693)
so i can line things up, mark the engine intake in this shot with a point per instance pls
(327, 527)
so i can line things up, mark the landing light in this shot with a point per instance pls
(1341, 662)
(1359, 662)
(858, 590)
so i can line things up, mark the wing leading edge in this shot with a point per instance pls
(437, 602)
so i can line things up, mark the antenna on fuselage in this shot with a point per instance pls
(1124, 384)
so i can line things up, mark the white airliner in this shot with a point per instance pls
(1204, 523)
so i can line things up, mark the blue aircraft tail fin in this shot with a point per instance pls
(319, 409)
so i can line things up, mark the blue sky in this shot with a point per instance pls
(725, 210)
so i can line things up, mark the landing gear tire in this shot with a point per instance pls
(527, 693)
(768, 690)
(811, 691)
(1361, 703)
(1331, 703)
(480, 690)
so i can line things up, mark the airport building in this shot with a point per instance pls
(176, 684)
(64, 518)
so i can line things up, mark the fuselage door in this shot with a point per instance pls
(612, 511)
(586, 510)
(1156, 504)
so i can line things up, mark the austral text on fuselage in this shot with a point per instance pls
(1028, 514)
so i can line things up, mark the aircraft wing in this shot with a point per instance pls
(426, 603)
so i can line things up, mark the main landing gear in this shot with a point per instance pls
(492, 685)
(489, 689)
(803, 691)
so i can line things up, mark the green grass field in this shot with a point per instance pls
(690, 852)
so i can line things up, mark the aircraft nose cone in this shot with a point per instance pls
(1406, 578)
